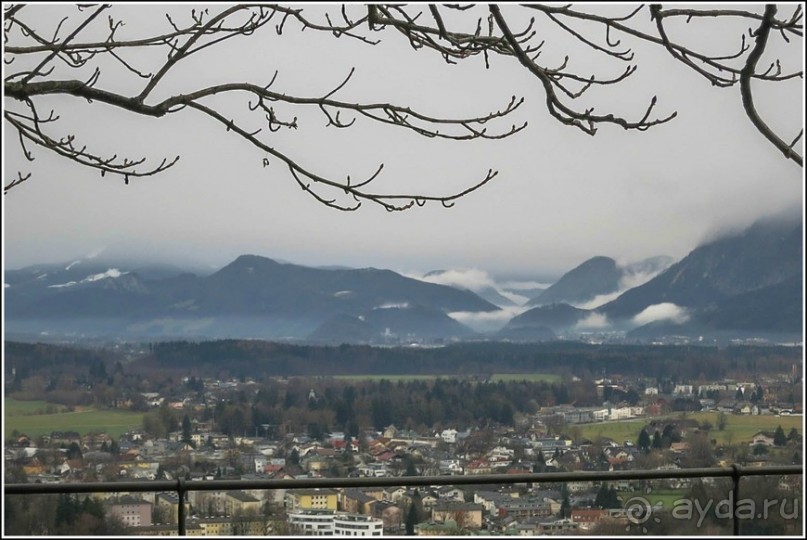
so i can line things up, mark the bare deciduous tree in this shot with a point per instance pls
(66, 58)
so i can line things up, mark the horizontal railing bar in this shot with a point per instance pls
(311, 483)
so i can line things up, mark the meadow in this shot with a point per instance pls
(665, 497)
(739, 428)
(14, 407)
(496, 377)
(391, 378)
(30, 418)
(528, 377)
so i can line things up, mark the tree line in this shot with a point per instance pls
(239, 358)
(317, 406)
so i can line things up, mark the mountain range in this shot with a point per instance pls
(746, 284)
(250, 297)
(597, 278)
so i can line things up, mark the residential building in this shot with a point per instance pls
(762, 437)
(449, 435)
(588, 517)
(465, 515)
(522, 508)
(169, 503)
(355, 525)
(311, 523)
(327, 523)
(355, 501)
(390, 514)
(312, 499)
(132, 511)
(238, 502)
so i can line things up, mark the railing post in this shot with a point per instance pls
(181, 509)
(736, 474)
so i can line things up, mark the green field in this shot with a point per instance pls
(620, 432)
(529, 377)
(666, 497)
(738, 430)
(742, 428)
(497, 377)
(391, 378)
(18, 415)
(13, 407)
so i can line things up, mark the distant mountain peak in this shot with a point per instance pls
(252, 259)
(596, 276)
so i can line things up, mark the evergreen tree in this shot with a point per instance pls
(74, 451)
(669, 435)
(779, 438)
(599, 501)
(411, 520)
(657, 441)
(186, 430)
(793, 435)
(93, 507)
(644, 440)
(760, 450)
(607, 497)
(565, 507)
(612, 499)
(416, 513)
(67, 510)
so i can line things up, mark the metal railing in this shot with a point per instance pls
(182, 487)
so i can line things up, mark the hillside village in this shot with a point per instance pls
(675, 435)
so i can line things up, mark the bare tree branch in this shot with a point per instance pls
(762, 35)
(52, 60)
(584, 120)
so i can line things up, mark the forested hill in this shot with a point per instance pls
(260, 359)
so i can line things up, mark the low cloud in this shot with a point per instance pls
(599, 300)
(487, 321)
(525, 285)
(96, 252)
(595, 321)
(472, 279)
(513, 297)
(479, 281)
(662, 312)
(393, 305)
(522, 292)
(633, 275)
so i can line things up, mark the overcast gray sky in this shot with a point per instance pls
(561, 196)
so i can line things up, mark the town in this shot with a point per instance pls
(210, 429)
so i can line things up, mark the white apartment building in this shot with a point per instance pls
(311, 523)
(327, 523)
(357, 525)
